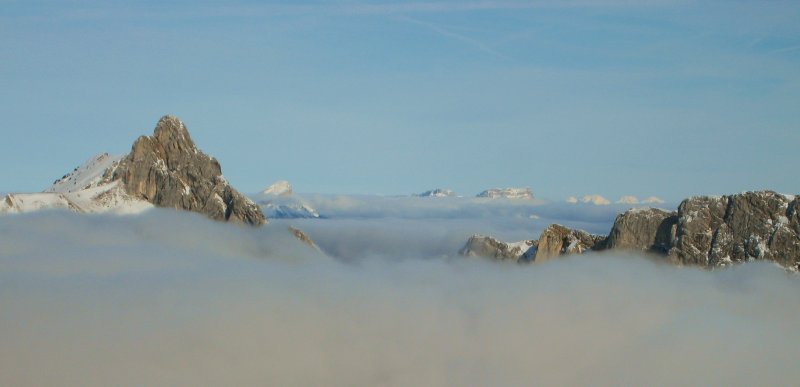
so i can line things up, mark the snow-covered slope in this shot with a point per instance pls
(507, 193)
(104, 198)
(82, 190)
(87, 175)
(279, 202)
(288, 210)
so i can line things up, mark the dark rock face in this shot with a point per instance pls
(718, 231)
(643, 229)
(168, 170)
(557, 240)
(485, 246)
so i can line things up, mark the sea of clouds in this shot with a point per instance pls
(169, 298)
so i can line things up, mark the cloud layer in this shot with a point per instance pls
(167, 298)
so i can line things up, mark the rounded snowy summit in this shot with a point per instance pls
(279, 188)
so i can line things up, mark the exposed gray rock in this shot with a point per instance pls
(706, 231)
(168, 170)
(643, 229)
(303, 237)
(557, 240)
(718, 231)
(488, 247)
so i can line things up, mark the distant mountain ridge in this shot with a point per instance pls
(436, 193)
(507, 193)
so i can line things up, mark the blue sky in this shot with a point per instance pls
(665, 98)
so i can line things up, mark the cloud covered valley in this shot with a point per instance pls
(167, 298)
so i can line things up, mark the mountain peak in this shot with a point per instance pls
(170, 130)
(279, 188)
(168, 170)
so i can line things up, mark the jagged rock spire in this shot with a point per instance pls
(168, 170)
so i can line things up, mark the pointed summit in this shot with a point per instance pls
(167, 170)
(171, 130)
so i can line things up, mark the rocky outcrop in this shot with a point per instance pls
(715, 231)
(557, 240)
(303, 237)
(167, 170)
(488, 247)
(643, 229)
(706, 231)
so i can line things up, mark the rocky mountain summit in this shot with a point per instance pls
(167, 170)
(162, 170)
(705, 231)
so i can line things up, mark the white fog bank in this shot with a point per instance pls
(170, 299)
